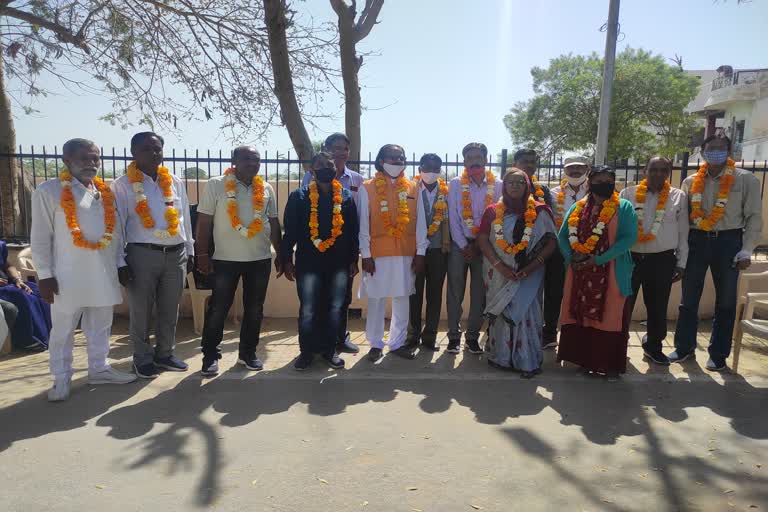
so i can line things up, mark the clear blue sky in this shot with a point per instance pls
(449, 70)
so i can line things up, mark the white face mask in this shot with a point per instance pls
(393, 170)
(429, 177)
(576, 182)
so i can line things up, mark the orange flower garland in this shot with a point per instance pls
(314, 223)
(498, 227)
(539, 191)
(610, 206)
(466, 200)
(640, 192)
(401, 185)
(230, 186)
(560, 204)
(440, 206)
(698, 217)
(70, 212)
(165, 182)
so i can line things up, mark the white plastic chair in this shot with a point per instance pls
(199, 299)
(745, 311)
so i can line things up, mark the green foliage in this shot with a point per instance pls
(647, 114)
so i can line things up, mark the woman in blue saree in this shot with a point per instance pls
(32, 325)
(516, 236)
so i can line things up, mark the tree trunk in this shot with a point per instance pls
(11, 187)
(274, 17)
(350, 65)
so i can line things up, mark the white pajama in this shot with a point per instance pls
(398, 325)
(96, 323)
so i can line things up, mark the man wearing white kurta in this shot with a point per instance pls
(80, 282)
(156, 256)
(390, 263)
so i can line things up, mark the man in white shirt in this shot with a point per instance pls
(153, 208)
(571, 189)
(433, 194)
(337, 144)
(239, 252)
(77, 247)
(393, 240)
(661, 250)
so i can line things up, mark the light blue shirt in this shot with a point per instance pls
(350, 180)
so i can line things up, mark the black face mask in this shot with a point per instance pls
(602, 189)
(325, 175)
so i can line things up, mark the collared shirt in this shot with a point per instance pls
(341, 254)
(350, 180)
(673, 232)
(431, 194)
(460, 233)
(86, 278)
(133, 229)
(229, 244)
(744, 209)
(570, 197)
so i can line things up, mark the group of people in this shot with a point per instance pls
(573, 257)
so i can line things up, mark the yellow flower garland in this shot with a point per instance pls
(230, 186)
(539, 191)
(466, 200)
(560, 204)
(498, 227)
(314, 223)
(401, 183)
(70, 212)
(609, 208)
(164, 180)
(698, 217)
(440, 206)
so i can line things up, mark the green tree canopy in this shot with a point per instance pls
(647, 113)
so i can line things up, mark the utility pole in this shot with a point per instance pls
(606, 93)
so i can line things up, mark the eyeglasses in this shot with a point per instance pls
(516, 183)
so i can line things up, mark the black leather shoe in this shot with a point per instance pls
(303, 362)
(454, 347)
(405, 352)
(334, 362)
(375, 354)
(473, 347)
(433, 346)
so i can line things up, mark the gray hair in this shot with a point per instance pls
(74, 145)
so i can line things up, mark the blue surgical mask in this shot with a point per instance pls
(715, 156)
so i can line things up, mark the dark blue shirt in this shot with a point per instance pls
(296, 224)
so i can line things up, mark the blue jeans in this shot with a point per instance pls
(322, 297)
(714, 252)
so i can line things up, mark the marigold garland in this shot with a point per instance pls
(539, 192)
(698, 217)
(609, 208)
(165, 182)
(560, 204)
(640, 193)
(401, 183)
(230, 186)
(466, 200)
(314, 223)
(498, 227)
(440, 206)
(70, 212)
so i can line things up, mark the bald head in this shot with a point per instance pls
(246, 161)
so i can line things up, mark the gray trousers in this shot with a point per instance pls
(158, 280)
(457, 283)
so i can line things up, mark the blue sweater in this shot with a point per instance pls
(626, 236)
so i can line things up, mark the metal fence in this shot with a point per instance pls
(281, 170)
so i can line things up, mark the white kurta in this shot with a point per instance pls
(393, 276)
(86, 278)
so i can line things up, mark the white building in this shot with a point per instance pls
(735, 101)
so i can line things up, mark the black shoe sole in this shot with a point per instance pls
(142, 375)
(334, 366)
(684, 358)
(377, 359)
(252, 368)
(716, 369)
(300, 368)
(453, 350)
(405, 355)
(476, 351)
(209, 373)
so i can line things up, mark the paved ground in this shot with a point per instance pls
(441, 433)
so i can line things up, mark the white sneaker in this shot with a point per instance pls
(110, 376)
(60, 390)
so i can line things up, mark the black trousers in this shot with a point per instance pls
(342, 332)
(554, 282)
(432, 280)
(653, 272)
(226, 275)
